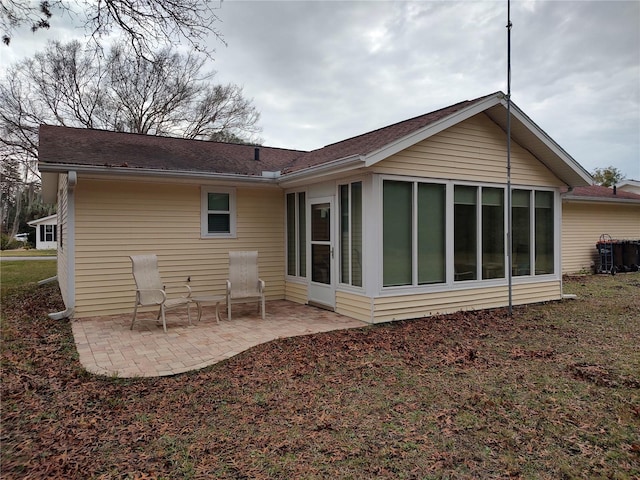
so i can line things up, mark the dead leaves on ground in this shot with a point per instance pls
(474, 394)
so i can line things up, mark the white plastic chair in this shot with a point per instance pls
(243, 285)
(150, 290)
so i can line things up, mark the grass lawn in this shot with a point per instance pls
(18, 273)
(553, 392)
(32, 252)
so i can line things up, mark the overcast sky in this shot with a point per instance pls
(320, 72)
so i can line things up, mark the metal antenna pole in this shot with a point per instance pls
(509, 216)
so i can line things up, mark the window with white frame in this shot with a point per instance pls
(218, 212)
(415, 232)
(48, 233)
(350, 197)
(296, 234)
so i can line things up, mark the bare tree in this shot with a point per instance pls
(165, 95)
(145, 24)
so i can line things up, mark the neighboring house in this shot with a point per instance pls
(46, 232)
(405, 221)
(587, 213)
(632, 186)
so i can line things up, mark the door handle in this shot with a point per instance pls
(331, 253)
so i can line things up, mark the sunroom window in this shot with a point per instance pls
(351, 234)
(296, 234)
(414, 233)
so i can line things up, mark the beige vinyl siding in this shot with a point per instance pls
(114, 220)
(296, 292)
(354, 305)
(474, 150)
(584, 222)
(403, 307)
(63, 238)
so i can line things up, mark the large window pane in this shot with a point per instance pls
(492, 233)
(397, 232)
(356, 234)
(544, 233)
(345, 248)
(431, 233)
(302, 234)
(465, 232)
(291, 234)
(521, 232)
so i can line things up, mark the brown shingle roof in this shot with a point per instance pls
(80, 146)
(598, 191)
(371, 141)
(86, 147)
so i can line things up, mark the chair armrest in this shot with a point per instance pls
(188, 291)
(228, 287)
(164, 294)
(261, 285)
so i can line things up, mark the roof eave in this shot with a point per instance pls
(572, 199)
(322, 171)
(57, 168)
(542, 146)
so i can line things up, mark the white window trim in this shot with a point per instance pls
(450, 283)
(303, 280)
(348, 287)
(204, 212)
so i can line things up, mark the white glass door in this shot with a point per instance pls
(321, 287)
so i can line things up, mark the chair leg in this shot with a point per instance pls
(135, 311)
(262, 303)
(228, 308)
(164, 321)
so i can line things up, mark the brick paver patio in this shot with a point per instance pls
(107, 346)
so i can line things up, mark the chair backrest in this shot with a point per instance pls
(147, 277)
(243, 274)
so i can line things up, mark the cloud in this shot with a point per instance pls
(323, 71)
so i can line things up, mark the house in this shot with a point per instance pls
(587, 213)
(405, 221)
(46, 232)
(632, 186)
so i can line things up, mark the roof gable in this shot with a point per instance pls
(374, 146)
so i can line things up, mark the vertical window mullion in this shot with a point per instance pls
(532, 232)
(414, 234)
(350, 237)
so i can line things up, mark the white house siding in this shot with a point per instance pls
(584, 222)
(296, 292)
(63, 237)
(403, 307)
(354, 305)
(118, 219)
(474, 150)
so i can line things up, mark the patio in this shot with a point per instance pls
(106, 345)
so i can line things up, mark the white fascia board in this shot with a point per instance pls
(38, 221)
(628, 201)
(317, 172)
(153, 173)
(432, 129)
(550, 143)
